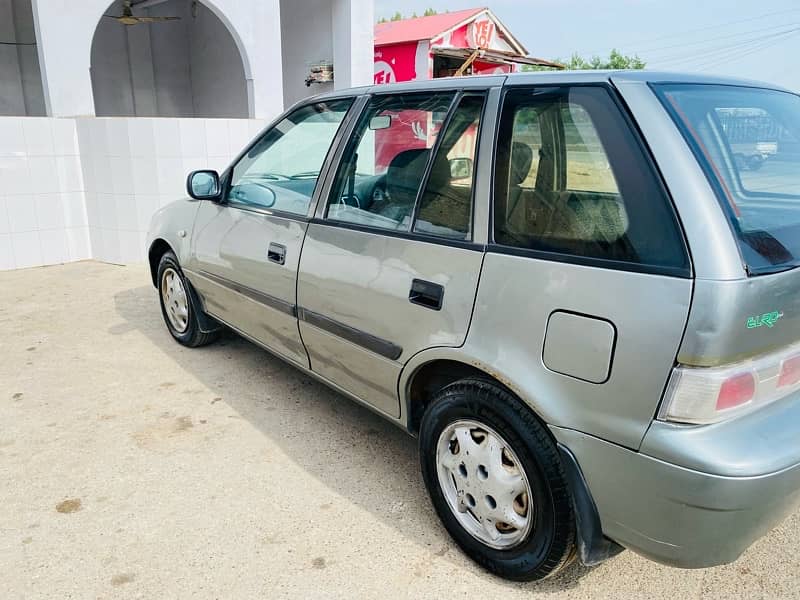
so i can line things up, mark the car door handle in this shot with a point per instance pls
(426, 293)
(276, 253)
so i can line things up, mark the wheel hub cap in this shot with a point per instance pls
(176, 304)
(484, 484)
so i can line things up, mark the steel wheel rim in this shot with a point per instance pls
(484, 484)
(176, 304)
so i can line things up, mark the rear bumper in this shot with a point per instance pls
(677, 515)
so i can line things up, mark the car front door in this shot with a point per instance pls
(246, 247)
(390, 265)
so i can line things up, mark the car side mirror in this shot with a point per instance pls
(460, 168)
(203, 185)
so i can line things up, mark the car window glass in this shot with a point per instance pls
(281, 170)
(572, 179)
(446, 204)
(755, 137)
(385, 162)
(748, 142)
(587, 164)
(524, 153)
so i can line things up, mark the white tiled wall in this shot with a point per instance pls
(86, 188)
(42, 209)
(133, 166)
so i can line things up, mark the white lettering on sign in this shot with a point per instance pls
(384, 73)
(481, 33)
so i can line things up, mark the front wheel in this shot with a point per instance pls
(179, 313)
(496, 481)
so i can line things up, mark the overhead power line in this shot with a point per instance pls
(713, 39)
(731, 47)
(686, 32)
(758, 48)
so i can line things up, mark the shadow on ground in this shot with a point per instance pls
(357, 454)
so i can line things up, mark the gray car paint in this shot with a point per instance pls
(715, 254)
(363, 280)
(717, 331)
(229, 245)
(677, 515)
(685, 495)
(763, 442)
(648, 311)
(173, 224)
(591, 359)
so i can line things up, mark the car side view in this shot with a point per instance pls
(579, 290)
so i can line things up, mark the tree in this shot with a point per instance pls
(615, 60)
(398, 16)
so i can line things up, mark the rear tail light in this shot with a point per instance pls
(736, 391)
(711, 394)
(790, 372)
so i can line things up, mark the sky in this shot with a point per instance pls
(755, 40)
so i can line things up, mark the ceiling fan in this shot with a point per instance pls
(127, 17)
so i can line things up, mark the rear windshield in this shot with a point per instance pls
(748, 141)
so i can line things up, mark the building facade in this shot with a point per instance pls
(104, 108)
(465, 42)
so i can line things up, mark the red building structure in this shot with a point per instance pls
(465, 42)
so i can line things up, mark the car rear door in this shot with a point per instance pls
(391, 264)
(246, 247)
(586, 286)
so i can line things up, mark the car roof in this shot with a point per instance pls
(549, 77)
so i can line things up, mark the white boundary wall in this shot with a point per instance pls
(86, 188)
(74, 186)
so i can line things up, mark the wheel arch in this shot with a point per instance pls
(434, 369)
(157, 249)
(430, 371)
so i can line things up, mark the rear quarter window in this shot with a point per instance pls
(572, 182)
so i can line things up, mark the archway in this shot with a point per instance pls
(20, 77)
(187, 66)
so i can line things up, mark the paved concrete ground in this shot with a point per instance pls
(131, 467)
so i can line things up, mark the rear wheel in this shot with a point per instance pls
(755, 162)
(177, 309)
(496, 480)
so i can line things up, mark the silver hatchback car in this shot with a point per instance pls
(578, 290)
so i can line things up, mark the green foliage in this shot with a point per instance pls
(398, 16)
(615, 60)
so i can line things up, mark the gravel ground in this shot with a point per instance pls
(131, 467)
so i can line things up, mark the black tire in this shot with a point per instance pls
(549, 545)
(755, 162)
(192, 336)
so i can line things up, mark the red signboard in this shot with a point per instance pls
(409, 129)
(396, 63)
